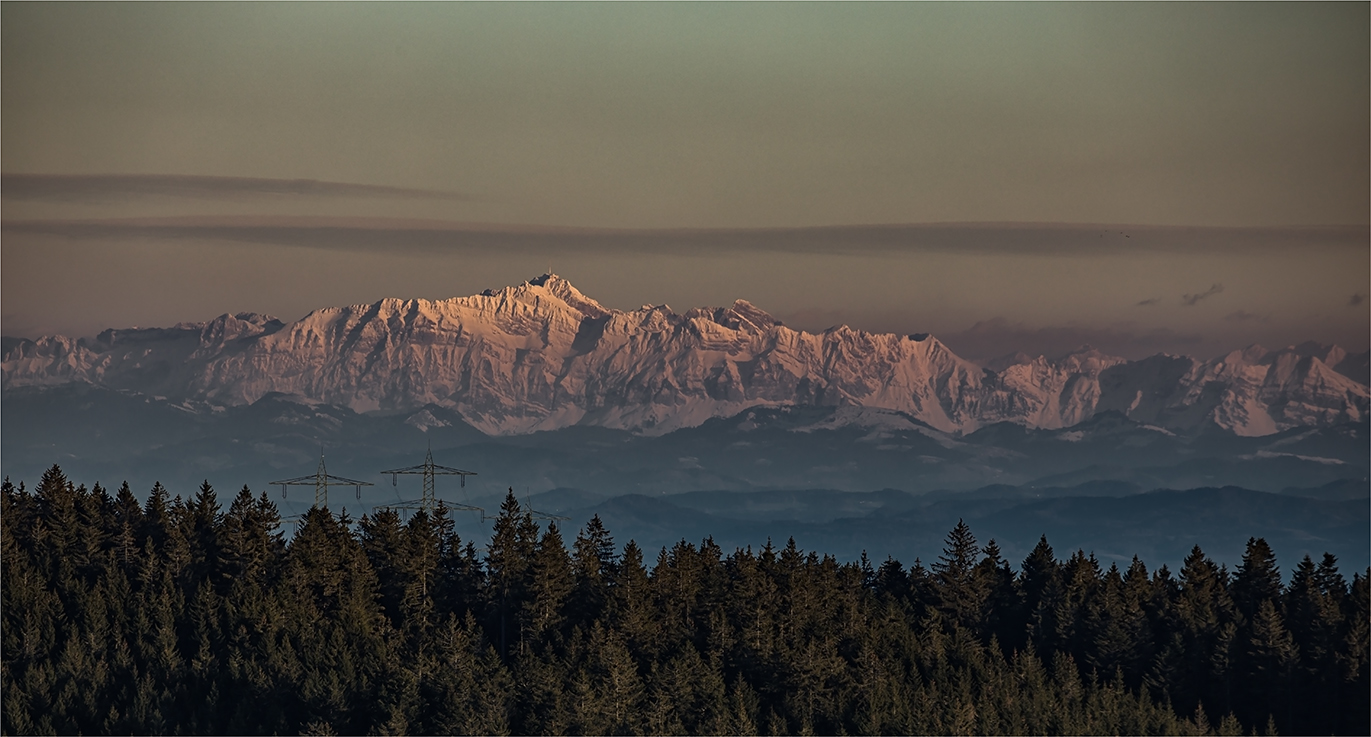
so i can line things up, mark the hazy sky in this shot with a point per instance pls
(168, 162)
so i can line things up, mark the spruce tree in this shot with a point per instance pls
(509, 560)
(459, 581)
(421, 557)
(1314, 615)
(1258, 578)
(631, 610)
(550, 585)
(1040, 584)
(128, 520)
(1001, 610)
(201, 528)
(1266, 662)
(961, 595)
(1355, 659)
(383, 542)
(1119, 637)
(592, 564)
(892, 582)
(1205, 622)
(156, 516)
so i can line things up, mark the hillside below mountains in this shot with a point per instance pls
(839, 479)
(543, 356)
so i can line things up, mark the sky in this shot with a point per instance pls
(1178, 177)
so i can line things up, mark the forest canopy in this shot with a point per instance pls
(182, 616)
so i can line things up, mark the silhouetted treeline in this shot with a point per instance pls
(180, 616)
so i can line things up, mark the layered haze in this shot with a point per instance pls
(1104, 168)
(987, 289)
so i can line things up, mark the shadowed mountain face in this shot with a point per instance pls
(544, 356)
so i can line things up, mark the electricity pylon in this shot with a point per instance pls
(535, 514)
(320, 481)
(428, 469)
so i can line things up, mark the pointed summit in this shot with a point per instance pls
(569, 294)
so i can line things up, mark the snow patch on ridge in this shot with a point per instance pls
(424, 420)
(1315, 459)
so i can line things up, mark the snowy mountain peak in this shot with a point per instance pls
(571, 295)
(230, 327)
(742, 315)
(542, 355)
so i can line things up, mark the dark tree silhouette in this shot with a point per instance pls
(178, 616)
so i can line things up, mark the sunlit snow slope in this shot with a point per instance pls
(542, 355)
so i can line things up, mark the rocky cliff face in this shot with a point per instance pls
(542, 355)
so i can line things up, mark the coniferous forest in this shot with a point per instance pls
(196, 616)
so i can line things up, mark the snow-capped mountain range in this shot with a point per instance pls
(543, 356)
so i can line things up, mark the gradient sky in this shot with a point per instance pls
(168, 162)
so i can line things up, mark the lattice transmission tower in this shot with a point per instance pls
(428, 469)
(321, 480)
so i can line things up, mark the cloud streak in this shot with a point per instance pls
(426, 236)
(991, 339)
(98, 187)
(1150, 301)
(1245, 316)
(1190, 300)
